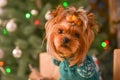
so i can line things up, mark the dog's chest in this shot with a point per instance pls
(85, 71)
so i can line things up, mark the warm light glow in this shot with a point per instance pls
(37, 22)
(1, 63)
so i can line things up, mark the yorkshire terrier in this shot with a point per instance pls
(70, 33)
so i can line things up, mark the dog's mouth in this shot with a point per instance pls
(65, 51)
(64, 46)
(65, 56)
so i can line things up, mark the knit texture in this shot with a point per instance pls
(85, 71)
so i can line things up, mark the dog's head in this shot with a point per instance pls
(69, 34)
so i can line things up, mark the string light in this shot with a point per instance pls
(37, 22)
(8, 70)
(1, 63)
(105, 43)
(65, 4)
(4, 31)
(27, 15)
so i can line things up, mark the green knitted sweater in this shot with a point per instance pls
(85, 71)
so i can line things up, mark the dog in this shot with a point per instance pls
(70, 33)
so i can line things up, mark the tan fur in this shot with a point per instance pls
(77, 48)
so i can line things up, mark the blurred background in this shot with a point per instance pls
(22, 34)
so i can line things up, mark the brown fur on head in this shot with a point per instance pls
(69, 34)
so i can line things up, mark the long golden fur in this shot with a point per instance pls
(79, 34)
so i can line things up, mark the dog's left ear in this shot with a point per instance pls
(91, 22)
(58, 11)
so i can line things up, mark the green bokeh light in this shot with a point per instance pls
(4, 31)
(103, 44)
(65, 4)
(27, 15)
(8, 70)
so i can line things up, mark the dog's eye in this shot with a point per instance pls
(60, 31)
(77, 35)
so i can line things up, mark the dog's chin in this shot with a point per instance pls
(65, 51)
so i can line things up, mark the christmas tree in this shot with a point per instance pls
(22, 35)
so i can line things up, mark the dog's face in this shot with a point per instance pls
(67, 39)
(69, 35)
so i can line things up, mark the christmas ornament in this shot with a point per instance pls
(11, 26)
(48, 16)
(1, 54)
(17, 52)
(3, 3)
(34, 12)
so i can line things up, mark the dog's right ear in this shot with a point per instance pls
(52, 14)
(91, 22)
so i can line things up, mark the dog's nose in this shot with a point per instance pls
(65, 40)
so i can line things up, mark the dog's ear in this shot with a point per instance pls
(90, 16)
(91, 22)
(58, 10)
(49, 15)
(91, 30)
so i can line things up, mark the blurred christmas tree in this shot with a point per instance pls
(22, 34)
